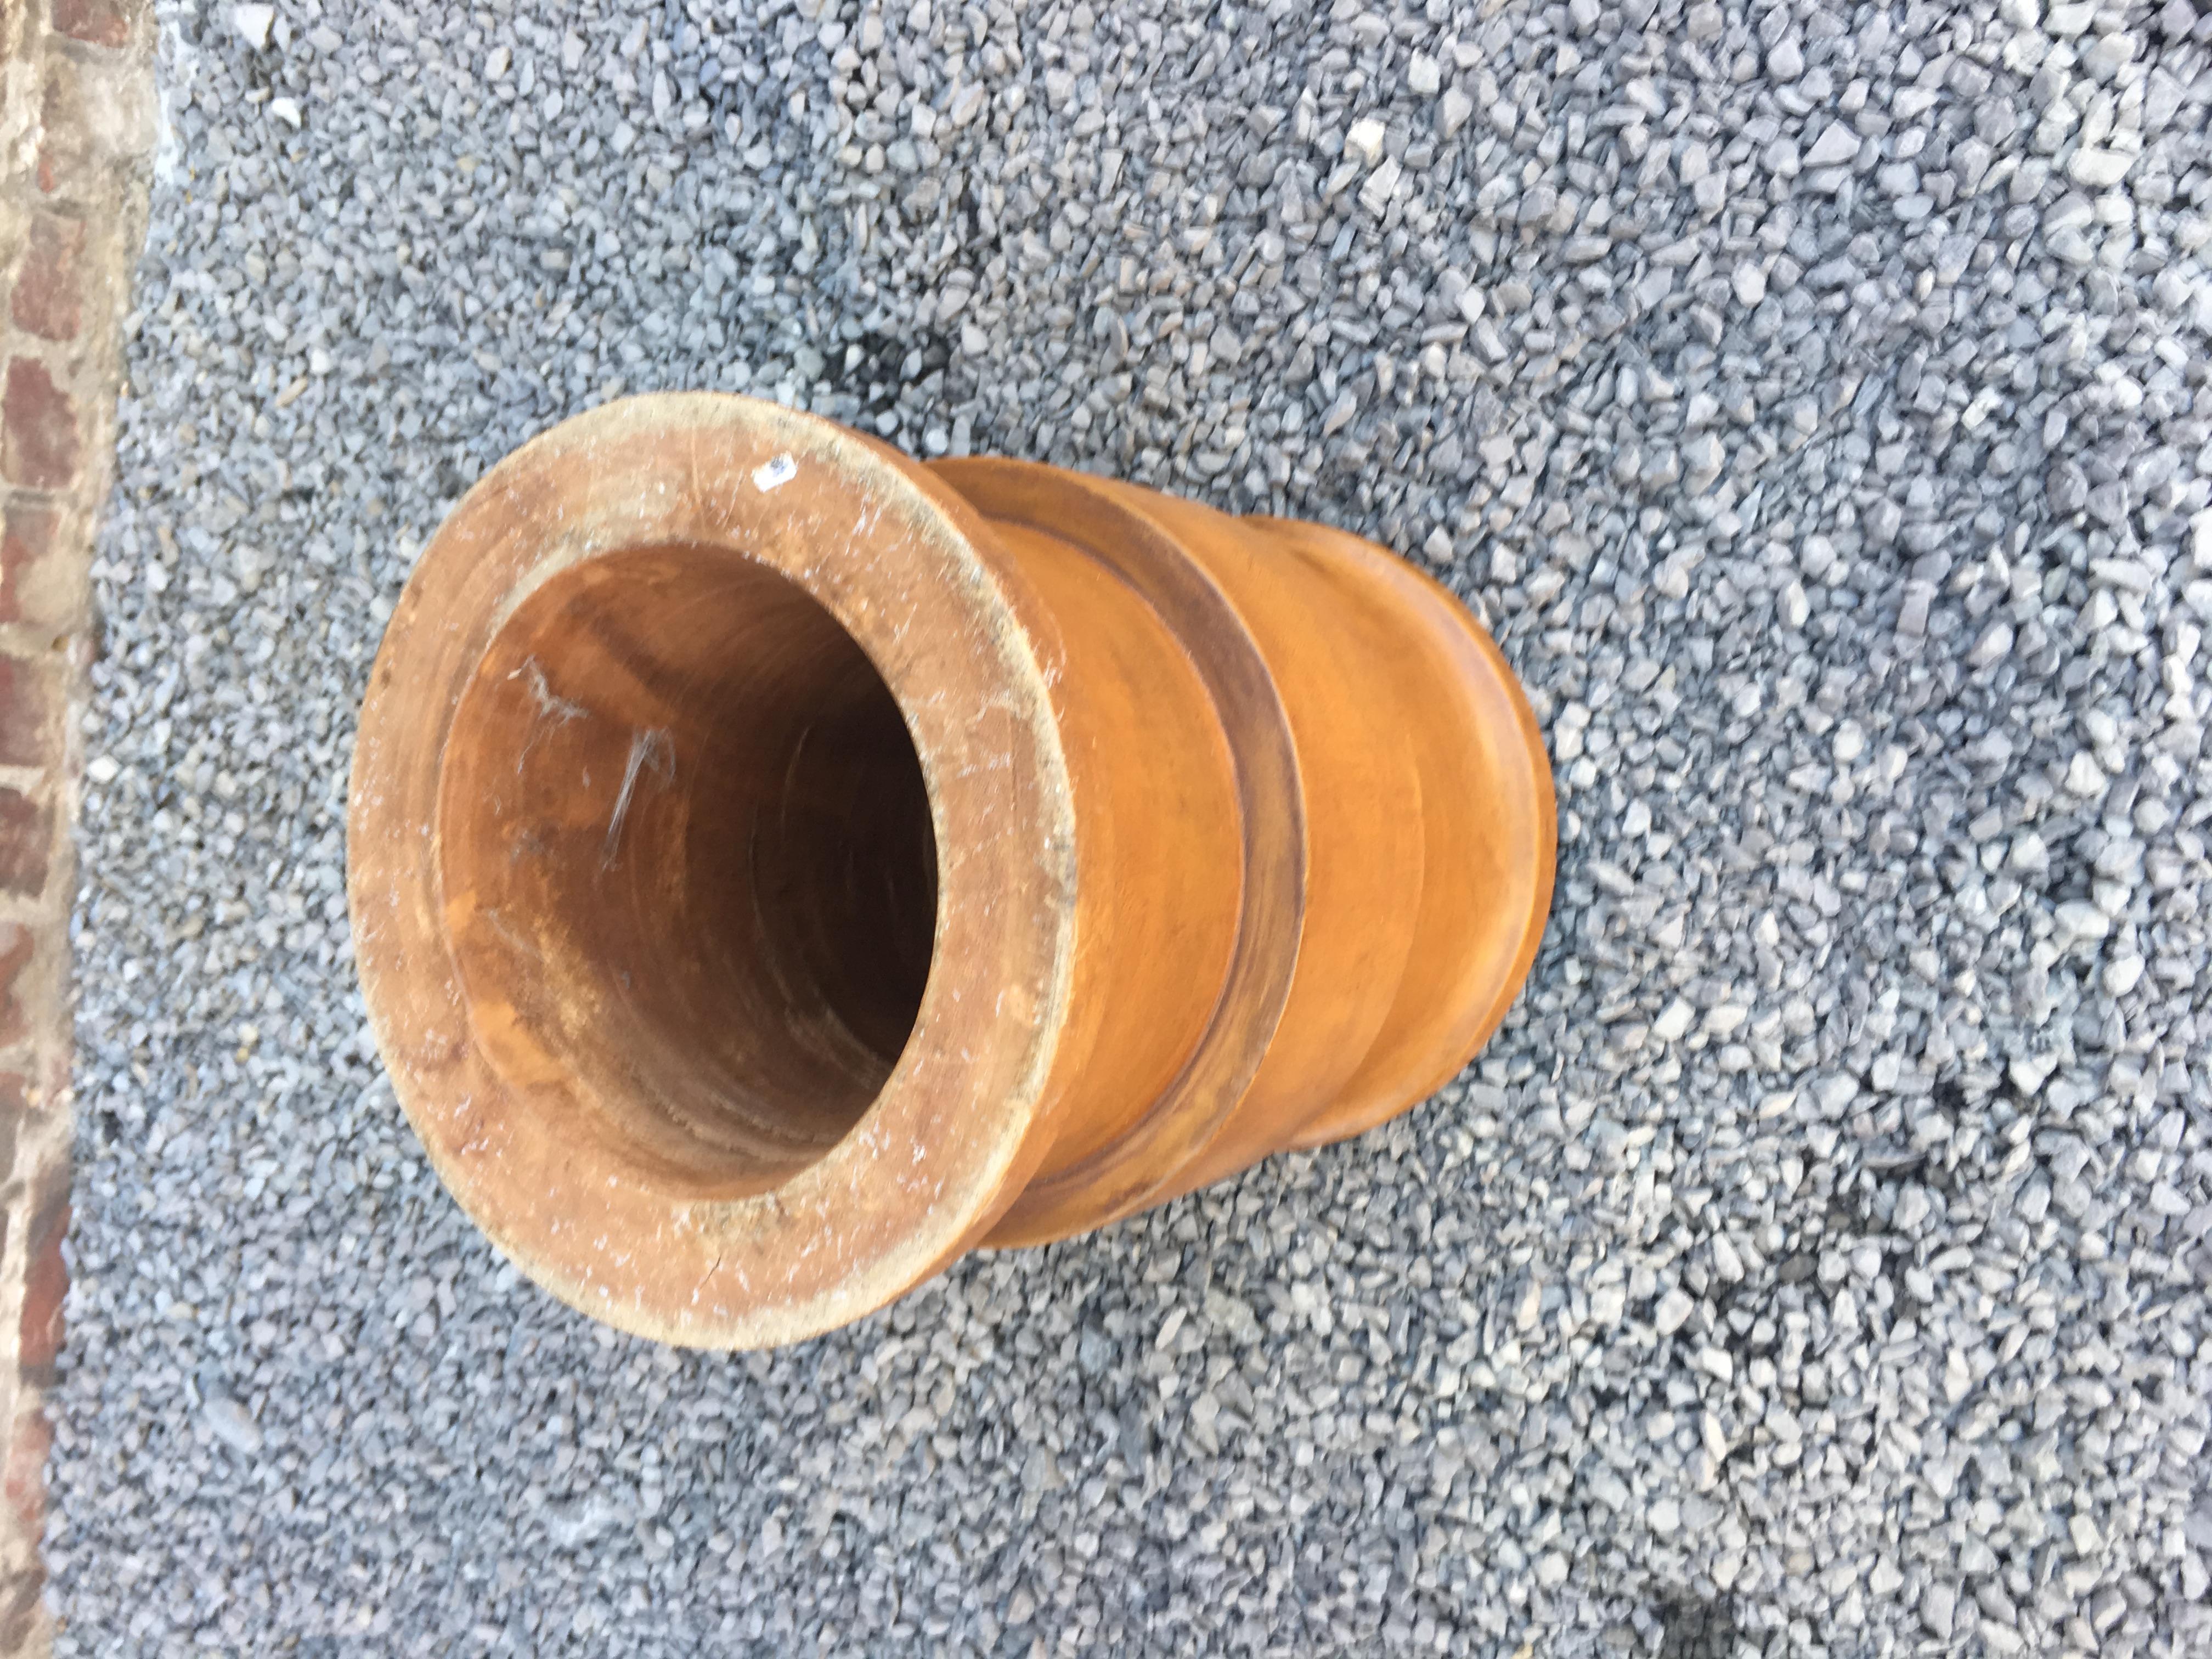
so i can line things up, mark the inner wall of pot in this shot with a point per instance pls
(689, 864)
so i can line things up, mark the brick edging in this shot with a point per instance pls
(76, 127)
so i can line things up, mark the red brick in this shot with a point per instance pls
(45, 1280)
(26, 833)
(27, 536)
(38, 443)
(27, 1470)
(96, 22)
(16, 943)
(25, 705)
(23, 709)
(48, 302)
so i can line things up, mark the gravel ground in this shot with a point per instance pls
(1814, 399)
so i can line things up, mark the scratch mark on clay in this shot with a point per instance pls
(553, 711)
(650, 748)
(550, 706)
(521, 942)
(707, 1277)
(771, 475)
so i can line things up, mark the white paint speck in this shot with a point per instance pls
(772, 474)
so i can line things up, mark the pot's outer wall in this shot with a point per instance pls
(1244, 837)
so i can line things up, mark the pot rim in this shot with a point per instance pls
(970, 654)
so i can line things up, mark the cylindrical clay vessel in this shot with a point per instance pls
(778, 867)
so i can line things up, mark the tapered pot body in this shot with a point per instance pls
(778, 867)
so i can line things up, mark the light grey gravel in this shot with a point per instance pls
(1814, 397)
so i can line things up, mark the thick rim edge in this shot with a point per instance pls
(831, 1245)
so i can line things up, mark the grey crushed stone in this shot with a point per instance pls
(1814, 397)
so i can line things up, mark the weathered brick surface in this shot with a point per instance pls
(49, 297)
(27, 529)
(25, 706)
(95, 22)
(18, 945)
(26, 1479)
(75, 128)
(26, 844)
(97, 112)
(45, 1280)
(21, 1630)
(40, 444)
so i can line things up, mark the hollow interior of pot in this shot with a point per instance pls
(690, 872)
